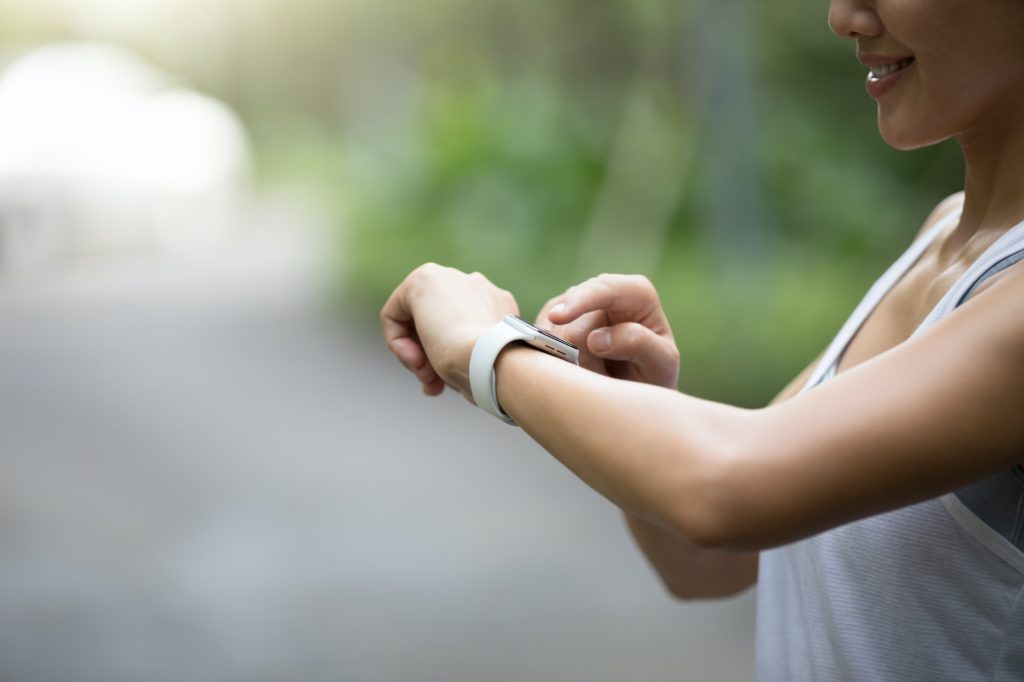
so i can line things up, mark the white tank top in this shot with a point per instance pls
(934, 591)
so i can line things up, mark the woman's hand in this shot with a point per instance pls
(618, 323)
(434, 317)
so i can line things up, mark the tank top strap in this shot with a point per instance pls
(991, 509)
(875, 294)
(1000, 255)
(1006, 262)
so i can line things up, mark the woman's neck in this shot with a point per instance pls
(994, 179)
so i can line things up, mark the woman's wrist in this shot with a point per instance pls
(503, 366)
(510, 368)
(456, 371)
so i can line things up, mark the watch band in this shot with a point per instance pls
(481, 366)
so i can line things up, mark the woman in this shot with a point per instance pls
(881, 513)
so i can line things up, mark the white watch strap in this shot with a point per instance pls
(481, 366)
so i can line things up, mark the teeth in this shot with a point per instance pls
(878, 72)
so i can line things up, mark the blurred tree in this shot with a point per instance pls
(724, 94)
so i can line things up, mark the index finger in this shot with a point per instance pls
(631, 297)
(542, 316)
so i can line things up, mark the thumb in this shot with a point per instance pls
(626, 342)
(633, 342)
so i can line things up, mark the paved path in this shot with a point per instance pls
(206, 475)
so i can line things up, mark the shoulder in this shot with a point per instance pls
(952, 203)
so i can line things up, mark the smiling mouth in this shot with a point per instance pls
(880, 72)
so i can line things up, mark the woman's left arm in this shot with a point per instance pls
(930, 415)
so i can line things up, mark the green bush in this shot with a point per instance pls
(499, 180)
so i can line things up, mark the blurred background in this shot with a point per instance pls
(210, 467)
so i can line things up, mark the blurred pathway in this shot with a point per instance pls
(205, 475)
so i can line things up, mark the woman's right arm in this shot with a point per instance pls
(642, 349)
(926, 417)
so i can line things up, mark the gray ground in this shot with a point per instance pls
(204, 475)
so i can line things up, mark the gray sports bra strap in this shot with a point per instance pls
(998, 500)
(1006, 262)
(996, 258)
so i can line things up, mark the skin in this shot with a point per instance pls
(965, 84)
(704, 486)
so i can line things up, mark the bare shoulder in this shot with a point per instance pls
(954, 202)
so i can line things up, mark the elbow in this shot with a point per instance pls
(711, 575)
(709, 509)
(707, 529)
(685, 593)
(681, 591)
(688, 592)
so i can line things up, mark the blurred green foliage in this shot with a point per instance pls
(499, 170)
(491, 137)
(495, 179)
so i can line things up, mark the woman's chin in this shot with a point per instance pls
(903, 145)
(904, 137)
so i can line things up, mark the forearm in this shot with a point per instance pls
(656, 453)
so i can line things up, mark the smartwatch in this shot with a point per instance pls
(512, 329)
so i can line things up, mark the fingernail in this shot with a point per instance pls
(557, 310)
(600, 340)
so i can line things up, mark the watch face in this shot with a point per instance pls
(541, 331)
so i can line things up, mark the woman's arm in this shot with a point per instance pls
(924, 418)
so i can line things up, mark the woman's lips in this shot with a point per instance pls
(885, 70)
(879, 85)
